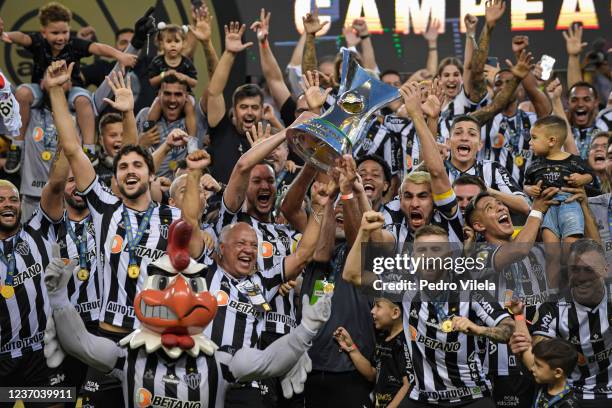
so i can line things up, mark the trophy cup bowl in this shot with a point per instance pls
(340, 129)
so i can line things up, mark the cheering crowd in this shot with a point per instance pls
(507, 160)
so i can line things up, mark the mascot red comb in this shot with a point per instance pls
(173, 308)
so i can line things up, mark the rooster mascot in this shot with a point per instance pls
(168, 362)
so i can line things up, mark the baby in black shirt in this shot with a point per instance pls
(553, 167)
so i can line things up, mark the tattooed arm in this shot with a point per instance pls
(499, 334)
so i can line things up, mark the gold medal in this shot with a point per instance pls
(83, 274)
(7, 292)
(172, 165)
(519, 161)
(133, 271)
(46, 155)
(447, 326)
(328, 287)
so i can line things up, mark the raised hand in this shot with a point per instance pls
(312, 24)
(58, 73)
(433, 104)
(87, 33)
(519, 43)
(470, 24)
(315, 316)
(372, 221)
(573, 40)
(315, 97)
(350, 36)
(122, 89)
(494, 10)
(431, 34)
(411, 93)
(523, 65)
(554, 89)
(203, 22)
(347, 169)
(198, 160)
(233, 38)
(58, 272)
(360, 25)
(261, 132)
(262, 26)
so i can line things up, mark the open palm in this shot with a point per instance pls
(233, 37)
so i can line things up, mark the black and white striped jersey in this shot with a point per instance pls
(23, 316)
(525, 279)
(492, 173)
(447, 366)
(156, 380)
(276, 241)
(460, 105)
(588, 329)
(238, 323)
(604, 120)
(84, 294)
(506, 141)
(119, 290)
(394, 140)
(442, 216)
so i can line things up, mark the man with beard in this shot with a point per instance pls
(173, 94)
(582, 316)
(518, 270)
(582, 106)
(131, 230)
(507, 134)
(227, 131)
(116, 129)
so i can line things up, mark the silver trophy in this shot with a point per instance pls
(341, 128)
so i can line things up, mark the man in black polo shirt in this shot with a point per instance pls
(227, 132)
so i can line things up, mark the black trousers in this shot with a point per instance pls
(325, 389)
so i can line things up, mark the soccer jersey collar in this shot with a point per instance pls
(152, 342)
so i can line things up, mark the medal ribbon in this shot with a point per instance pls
(48, 137)
(132, 241)
(10, 262)
(80, 243)
(553, 400)
(610, 216)
(439, 306)
(516, 275)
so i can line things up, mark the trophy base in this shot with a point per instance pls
(319, 143)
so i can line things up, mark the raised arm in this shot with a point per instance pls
(52, 197)
(298, 51)
(269, 66)
(367, 49)
(192, 207)
(440, 183)
(362, 364)
(312, 25)
(327, 238)
(14, 37)
(370, 222)
(431, 36)
(124, 103)
(216, 86)
(470, 43)
(291, 207)
(58, 74)
(520, 71)
(295, 263)
(494, 11)
(235, 192)
(202, 32)
(574, 46)
(540, 101)
(175, 139)
(554, 91)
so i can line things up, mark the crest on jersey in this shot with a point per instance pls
(193, 380)
(22, 248)
(163, 230)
